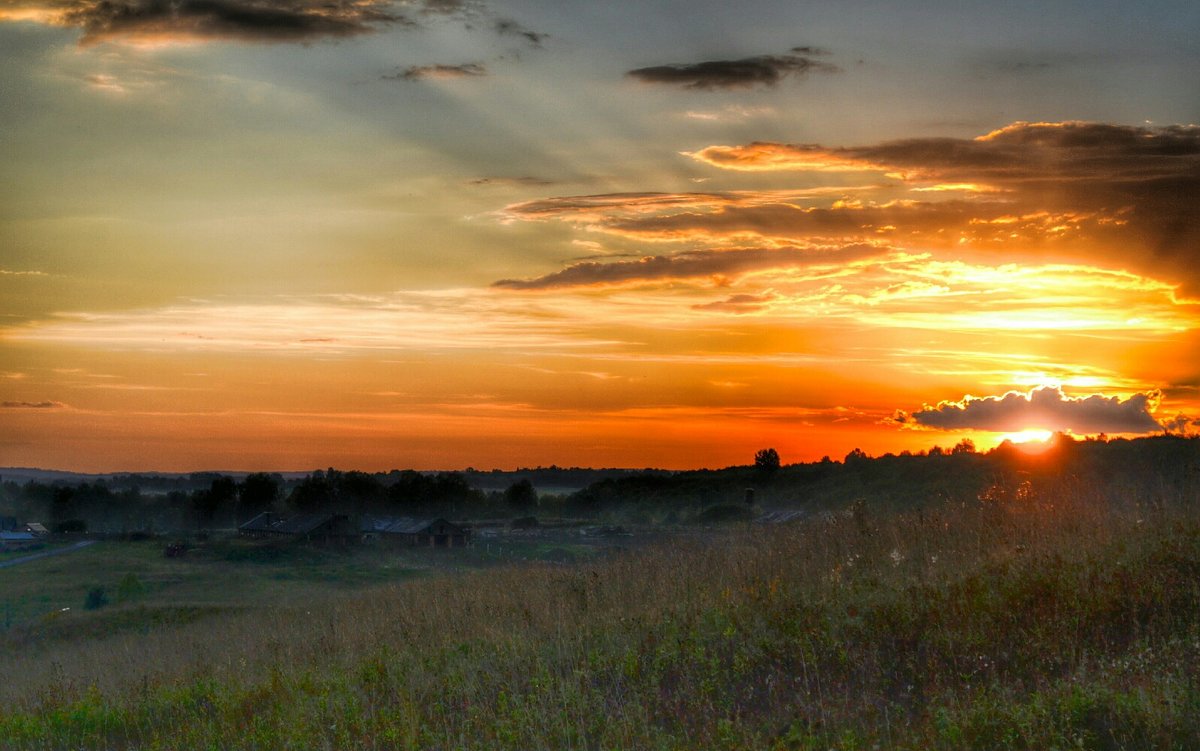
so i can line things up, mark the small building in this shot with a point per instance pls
(307, 527)
(263, 525)
(319, 528)
(8, 524)
(413, 532)
(17, 540)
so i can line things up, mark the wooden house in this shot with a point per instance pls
(17, 540)
(306, 527)
(413, 532)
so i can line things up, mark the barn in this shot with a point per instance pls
(414, 532)
(307, 527)
(17, 540)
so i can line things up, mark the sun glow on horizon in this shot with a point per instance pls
(1032, 439)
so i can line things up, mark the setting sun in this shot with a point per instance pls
(1030, 441)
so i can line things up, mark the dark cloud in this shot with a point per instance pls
(689, 265)
(509, 27)
(418, 72)
(244, 20)
(155, 21)
(1041, 409)
(749, 72)
(32, 405)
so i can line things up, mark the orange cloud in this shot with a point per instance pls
(1114, 195)
(1130, 190)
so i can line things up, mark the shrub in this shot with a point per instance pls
(96, 598)
(130, 587)
(725, 512)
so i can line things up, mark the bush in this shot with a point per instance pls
(96, 599)
(71, 526)
(725, 512)
(521, 495)
(130, 587)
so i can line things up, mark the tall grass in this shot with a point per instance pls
(1035, 618)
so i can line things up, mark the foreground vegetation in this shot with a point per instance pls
(1039, 615)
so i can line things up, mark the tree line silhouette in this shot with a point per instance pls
(1148, 470)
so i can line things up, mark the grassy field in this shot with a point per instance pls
(46, 599)
(1021, 621)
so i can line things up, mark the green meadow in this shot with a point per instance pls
(1013, 621)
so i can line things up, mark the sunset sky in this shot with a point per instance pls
(290, 234)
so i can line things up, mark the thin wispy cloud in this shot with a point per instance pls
(420, 72)
(687, 265)
(522, 181)
(507, 27)
(47, 404)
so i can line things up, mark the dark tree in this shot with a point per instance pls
(766, 461)
(219, 496)
(856, 456)
(409, 490)
(318, 492)
(521, 495)
(62, 505)
(359, 491)
(257, 493)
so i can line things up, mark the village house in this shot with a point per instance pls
(18, 540)
(410, 531)
(307, 527)
(401, 530)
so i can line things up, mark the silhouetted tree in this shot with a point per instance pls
(257, 493)
(855, 456)
(359, 491)
(521, 495)
(219, 496)
(409, 490)
(316, 493)
(965, 446)
(62, 505)
(766, 461)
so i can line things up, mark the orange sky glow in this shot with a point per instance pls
(284, 245)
